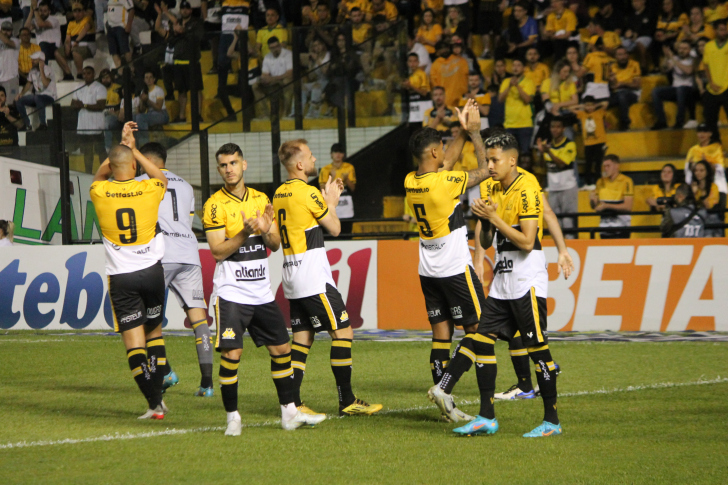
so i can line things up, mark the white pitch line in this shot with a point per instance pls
(174, 431)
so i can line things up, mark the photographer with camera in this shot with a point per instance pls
(683, 216)
(663, 192)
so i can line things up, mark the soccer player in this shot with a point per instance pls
(517, 298)
(181, 263)
(316, 305)
(240, 228)
(453, 295)
(127, 211)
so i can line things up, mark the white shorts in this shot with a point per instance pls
(185, 281)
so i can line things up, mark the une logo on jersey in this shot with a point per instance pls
(457, 180)
(318, 202)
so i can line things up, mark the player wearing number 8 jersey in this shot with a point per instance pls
(453, 293)
(127, 212)
(240, 229)
(316, 305)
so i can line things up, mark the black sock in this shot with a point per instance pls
(157, 355)
(486, 370)
(546, 377)
(282, 373)
(439, 358)
(521, 363)
(299, 354)
(229, 383)
(341, 364)
(139, 366)
(203, 344)
(463, 359)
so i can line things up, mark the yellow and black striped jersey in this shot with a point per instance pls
(127, 212)
(434, 199)
(306, 270)
(243, 277)
(517, 271)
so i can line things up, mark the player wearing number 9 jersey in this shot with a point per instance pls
(316, 304)
(127, 211)
(453, 294)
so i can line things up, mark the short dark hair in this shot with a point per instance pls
(503, 140)
(532, 47)
(522, 4)
(621, 47)
(338, 148)
(24, 28)
(273, 40)
(685, 191)
(611, 156)
(106, 72)
(719, 22)
(422, 139)
(289, 150)
(355, 9)
(155, 149)
(588, 99)
(228, 149)
(44, 3)
(151, 71)
(412, 54)
(558, 119)
(441, 88)
(89, 67)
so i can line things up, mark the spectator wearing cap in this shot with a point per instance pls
(80, 38)
(277, 71)
(715, 59)
(561, 25)
(710, 152)
(90, 100)
(624, 83)
(610, 39)
(9, 50)
(681, 66)
(522, 31)
(38, 92)
(382, 7)
(112, 121)
(119, 19)
(639, 31)
(610, 21)
(429, 33)
(696, 28)
(360, 30)
(517, 94)
(25, 63)
(184, 38)
(272, 29)
(48, 34)
(339, 169)
(450, 71)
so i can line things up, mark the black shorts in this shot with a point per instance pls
(137, 298)
(526, 315)
(264, 323)
(459, 298)
(325, 311)
(183, 78)
(49, 50)
(118, 40)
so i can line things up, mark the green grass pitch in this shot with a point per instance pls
(69, 408)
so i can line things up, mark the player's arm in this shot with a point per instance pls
(475, 177)
(152, 170)
(271, 237)
(483, 240)
(455, 148)
(565, 263)
(524, 239)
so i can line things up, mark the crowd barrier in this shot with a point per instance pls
(620, 285)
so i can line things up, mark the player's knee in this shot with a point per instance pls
(443, 330)
(233, 354)
(342, 333)
(303, 338)
(275, 350)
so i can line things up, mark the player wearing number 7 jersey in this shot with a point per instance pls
(127, 212)
(453, 293)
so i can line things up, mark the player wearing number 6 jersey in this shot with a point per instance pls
(316, 304)
(181, 263)
(240, 229)
(453, 293)
(127, 212)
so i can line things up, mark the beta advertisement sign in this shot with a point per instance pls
(620, 285)
(65, 287)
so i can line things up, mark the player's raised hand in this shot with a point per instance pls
(463, 114)
(265, 220)
(331, 191)
(483, 209)
(473, 116)
(270, 212)
(250, 226)
(127, 134)
(565, 264)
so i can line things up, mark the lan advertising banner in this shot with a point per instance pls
(65, 287)
(621, 285)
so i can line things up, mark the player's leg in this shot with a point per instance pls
(302, 341)
(523, 389)
(151, 284)
(442, 326)
(203, 344)
(531, 312)
(231, 318)
(268, 328)
(136, 355)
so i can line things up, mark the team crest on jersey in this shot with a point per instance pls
(344, 316)
(228, 334)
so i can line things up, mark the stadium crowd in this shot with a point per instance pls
(540, 69)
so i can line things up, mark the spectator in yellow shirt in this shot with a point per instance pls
(715, 59)
(708, 151)
(360, 30)
(715, 10)
(440, 116)
(669, 24)
(271, 29)
(696, 28)
(517, 94)
(451, 72)
(382, 7)
(346, 6)
(479, 95)
(560, 26)
(25, 64)
(611, 39)
(613, 199)
(557, 93)
(624, 82)
(534, 70)
(707, 195)
(429, 33)
(666, 188)
(339, 169)
(591, 115)
(417, 86)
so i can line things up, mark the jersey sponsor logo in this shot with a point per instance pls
(251, 249)
(456, 312)
(154, 312)
(198, 295)
(250, 274)
(283, 195)
(417, 190)
(524, 201)
(131, 318)
(503, 266)
(344, 316)
(143, 251)
(315, 322)
(295, 322)
(433, 313)
(290, 264)
(123, 194)
(228, 334)
(213, 213)
(318, 202)
(456, 180)
(432, 247)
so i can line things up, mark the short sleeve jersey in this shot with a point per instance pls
(434, 199)
(537, 74)
(659, 191)
(716, 59)
(481, 97)
(614, 191)
(430, 35)
(419, 80)
(175, 219)
(117, 12)
(299, 207)
(243, 277)
(628, 73)
(451, 117)
(559, 94)
(561, 178)
(235, 13)
(266, 33)
(713, 154)
(566, 22)
(517, 271)
(712, 197)
(598, 63)
(518, 113)
(360, 32)
(127, 212)
(345, 209)
(592, 126)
